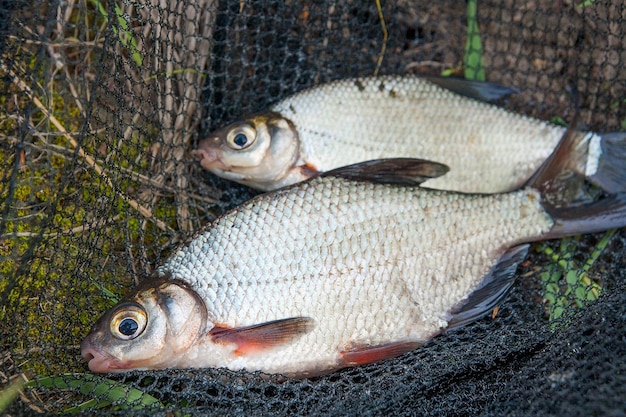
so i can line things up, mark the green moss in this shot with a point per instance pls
(55, 284)
(133, 224)
(6, 267)
(23, 192)
(50, 275)
(57, 161)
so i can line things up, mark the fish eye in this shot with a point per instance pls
(128, 326)
(241, 136)
(128, 322)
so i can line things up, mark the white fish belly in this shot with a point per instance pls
(370, 264)
(488, 149)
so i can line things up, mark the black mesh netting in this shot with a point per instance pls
(101, 102)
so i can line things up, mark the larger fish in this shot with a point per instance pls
(487, 148)
(348, 268)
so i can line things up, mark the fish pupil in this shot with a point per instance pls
(240, 139)
(128, 327)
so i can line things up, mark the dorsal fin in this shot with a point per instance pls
(399, 171)
(478, 90)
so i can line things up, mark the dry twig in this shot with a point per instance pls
(89, 160)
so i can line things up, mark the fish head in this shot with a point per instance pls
(149, 330)
(260, 150)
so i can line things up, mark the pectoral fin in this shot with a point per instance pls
(399, 171)
(308, 170)
(262, 336)
(494, 287)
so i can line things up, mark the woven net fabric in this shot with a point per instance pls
(101, 103)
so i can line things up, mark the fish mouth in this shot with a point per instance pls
(211, 161)
(100, 362)
(209, 158)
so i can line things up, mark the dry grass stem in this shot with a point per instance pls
(179, 59)
(90, 161)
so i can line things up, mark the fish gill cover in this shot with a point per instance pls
(101, 102)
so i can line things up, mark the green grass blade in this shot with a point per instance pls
(125, 35)
(105, 392)
(176, 71)
(92, 404)
(473, 61)
(566, 284)
(107, 294)
(127, 38)
(586, 3)
(10, 393)
(599, 248)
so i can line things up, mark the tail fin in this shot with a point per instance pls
(608, 153)
(564, 191)
(607, 213)
(561, 178)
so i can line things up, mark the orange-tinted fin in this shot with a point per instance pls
(400, 171)
(363, 354)
(258, 337)
(493, 287)
(309, 170)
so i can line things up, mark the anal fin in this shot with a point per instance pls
(494, 286)
(363, 354)
(262, 336)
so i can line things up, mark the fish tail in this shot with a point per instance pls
(607, 213)
(563, 181)
(606, 163)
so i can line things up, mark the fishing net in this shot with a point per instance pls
(101, 102)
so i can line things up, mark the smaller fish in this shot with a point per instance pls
(488, 149)
(354, 266)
